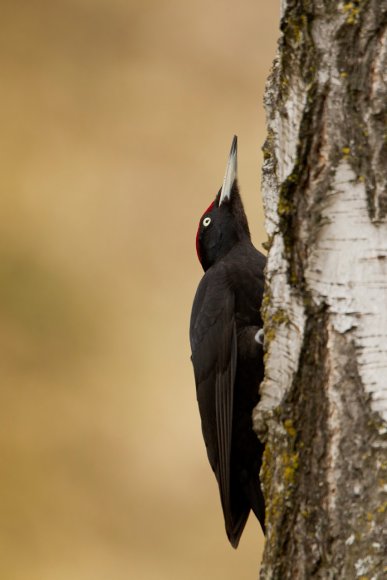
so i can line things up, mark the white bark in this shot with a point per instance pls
(347, 270)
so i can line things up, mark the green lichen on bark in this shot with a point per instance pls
(299, 60)
(278, 467)
(286, 471)
(366, 113)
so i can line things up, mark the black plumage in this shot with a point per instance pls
(227, 354)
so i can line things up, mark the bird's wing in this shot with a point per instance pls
(214, 355)
(224, 393)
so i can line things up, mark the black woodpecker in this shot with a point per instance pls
(227, 354)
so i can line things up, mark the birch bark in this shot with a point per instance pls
(323, 409)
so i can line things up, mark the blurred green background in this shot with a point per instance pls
(116, 121)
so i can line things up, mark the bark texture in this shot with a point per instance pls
(323, 409)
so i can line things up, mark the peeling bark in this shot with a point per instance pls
(323, 408)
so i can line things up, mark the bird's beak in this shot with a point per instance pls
(231, 172)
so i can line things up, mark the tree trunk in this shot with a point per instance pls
(323, 409)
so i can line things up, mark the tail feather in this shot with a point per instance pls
(235, 529)
(253, 491)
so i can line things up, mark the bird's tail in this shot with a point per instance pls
(235, 528)
(254, 493)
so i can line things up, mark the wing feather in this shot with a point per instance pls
(214, 355)
(224, 395)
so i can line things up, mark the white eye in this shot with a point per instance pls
(206, 221)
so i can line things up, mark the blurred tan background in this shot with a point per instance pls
(116, 121)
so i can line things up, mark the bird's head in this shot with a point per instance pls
(224, 223)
